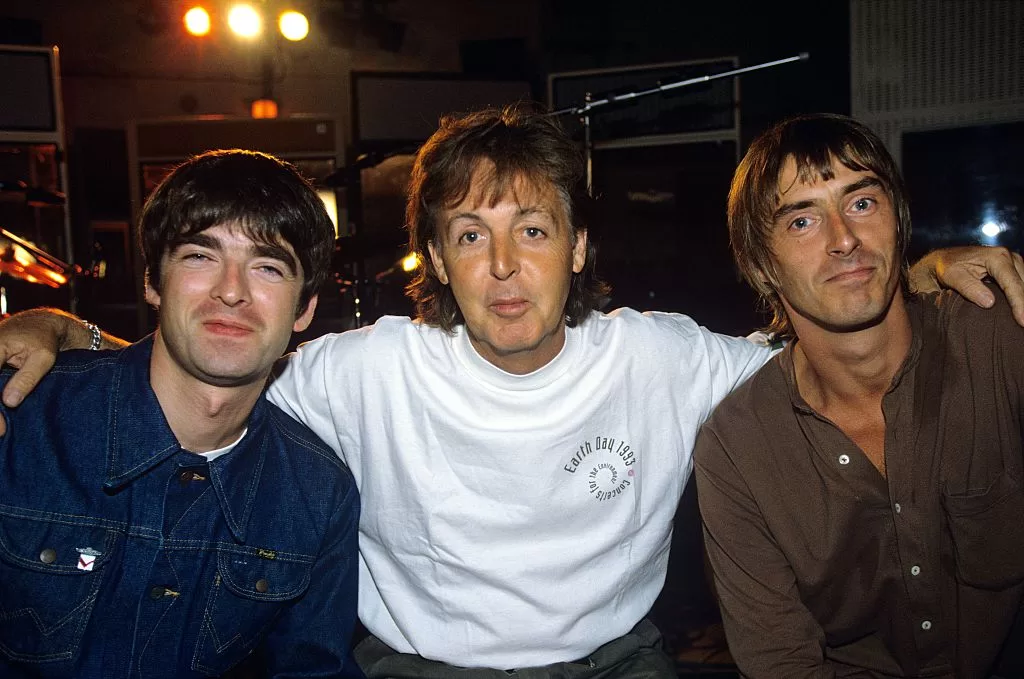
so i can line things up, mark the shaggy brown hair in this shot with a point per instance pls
(812, 141)
(521, 144)
(265, 197)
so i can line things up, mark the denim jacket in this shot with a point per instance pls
(123, 555)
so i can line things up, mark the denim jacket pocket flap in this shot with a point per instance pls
(56, 548)
(264, 575)
(987, 531)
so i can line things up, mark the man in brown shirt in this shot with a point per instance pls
(862, 494)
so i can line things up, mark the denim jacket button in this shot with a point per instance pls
(262, 586)
(48, 555)
(157, 593)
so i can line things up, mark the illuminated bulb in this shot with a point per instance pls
(244, 21)
(197, 21)
(294, 25)
(410, 262)
(991, 229)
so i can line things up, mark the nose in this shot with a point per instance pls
(504, 258)
(843, 240)
(232, 285)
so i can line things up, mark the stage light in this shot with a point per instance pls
(410, 262)
(992, 229)
(244, 21)
(294, 25)
(197, 22)
(263, 108)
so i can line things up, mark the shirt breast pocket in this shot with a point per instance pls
(50, 577)
(250, 589)
(987, 528)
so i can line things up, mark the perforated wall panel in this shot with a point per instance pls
(932, 64)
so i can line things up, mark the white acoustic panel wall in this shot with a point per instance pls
(932, 64)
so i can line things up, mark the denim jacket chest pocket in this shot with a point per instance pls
(50, 578)
(251, 587)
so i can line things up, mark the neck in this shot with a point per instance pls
(524, 361)
(203, 417)
(844, 369)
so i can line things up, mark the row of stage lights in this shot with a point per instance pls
(246, 22)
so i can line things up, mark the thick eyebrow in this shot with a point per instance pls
(520, 213)
(860, 184)
(200, 239)
(278, 252)
(863, 183)
(270, 250)
(787, 208)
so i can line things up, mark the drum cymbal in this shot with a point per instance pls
(22, 260)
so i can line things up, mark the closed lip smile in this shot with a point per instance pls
(223, 326)
(857, 273)
(508, 306)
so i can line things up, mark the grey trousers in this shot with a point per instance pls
(636, 655)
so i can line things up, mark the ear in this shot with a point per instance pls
(438, 261)
(579, 251)
(151, 295)
(306, 317)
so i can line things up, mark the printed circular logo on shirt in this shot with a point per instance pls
(605, 465)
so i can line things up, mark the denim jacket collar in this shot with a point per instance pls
(134, 408)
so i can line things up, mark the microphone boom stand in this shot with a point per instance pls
(589, 103)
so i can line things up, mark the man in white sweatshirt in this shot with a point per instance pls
(519, 454)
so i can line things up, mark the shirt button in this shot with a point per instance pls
(844, 459)
(157, 593)
(262, 586)
(926, 625)
(48, 555)
(898, 508)
(915, 570)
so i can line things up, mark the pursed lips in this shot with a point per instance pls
(508, 306)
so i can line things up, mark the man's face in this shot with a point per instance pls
(835, 249)
(227, 306)
(509, 267)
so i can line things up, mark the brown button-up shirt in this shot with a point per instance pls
(824, 567)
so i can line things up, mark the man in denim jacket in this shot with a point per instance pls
(159, 518)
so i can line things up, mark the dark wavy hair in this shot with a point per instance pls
(812, 141)
(263, 196)
(522, 143)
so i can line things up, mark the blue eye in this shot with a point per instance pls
(271, 270)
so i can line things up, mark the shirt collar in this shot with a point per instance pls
(491, 374)
(140, 439)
